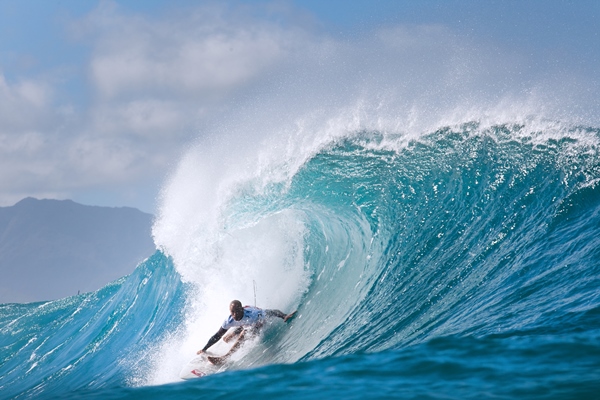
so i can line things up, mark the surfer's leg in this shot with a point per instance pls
(227, 338)
(240, 340)
(234, 348)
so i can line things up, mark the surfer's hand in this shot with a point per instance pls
(200, 351)
(285, 319)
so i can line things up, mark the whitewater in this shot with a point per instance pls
(458, 261)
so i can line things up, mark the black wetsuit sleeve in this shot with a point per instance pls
(275, 313)
(215, 338)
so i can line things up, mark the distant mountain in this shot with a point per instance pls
(51, 249)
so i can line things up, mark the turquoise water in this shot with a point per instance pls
(462, 263)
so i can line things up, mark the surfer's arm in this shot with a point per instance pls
(279, 314)
(275, 313)
(214, 339)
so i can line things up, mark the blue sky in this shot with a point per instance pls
(100, 99)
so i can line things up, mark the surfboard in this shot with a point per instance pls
(198, 367)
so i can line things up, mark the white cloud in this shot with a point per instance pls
(148, 118)
(152, 82)
(202, 53)
(23, 104)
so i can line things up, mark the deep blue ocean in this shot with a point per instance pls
(460, 263)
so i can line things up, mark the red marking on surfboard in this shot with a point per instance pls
(198, 373)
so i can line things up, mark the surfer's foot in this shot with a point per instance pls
(216, 360)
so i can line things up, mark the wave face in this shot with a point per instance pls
(464, 262)
(88, 341)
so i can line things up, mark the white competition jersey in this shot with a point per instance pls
(253, 316)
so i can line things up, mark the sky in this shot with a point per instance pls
(99, 100)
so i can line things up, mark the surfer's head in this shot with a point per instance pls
(236, 309)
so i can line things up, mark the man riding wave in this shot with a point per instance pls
(246, 320)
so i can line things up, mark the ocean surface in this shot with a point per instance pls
(459, 263)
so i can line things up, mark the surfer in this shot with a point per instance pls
(246, 320)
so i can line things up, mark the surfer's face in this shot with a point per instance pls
(237, 312)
